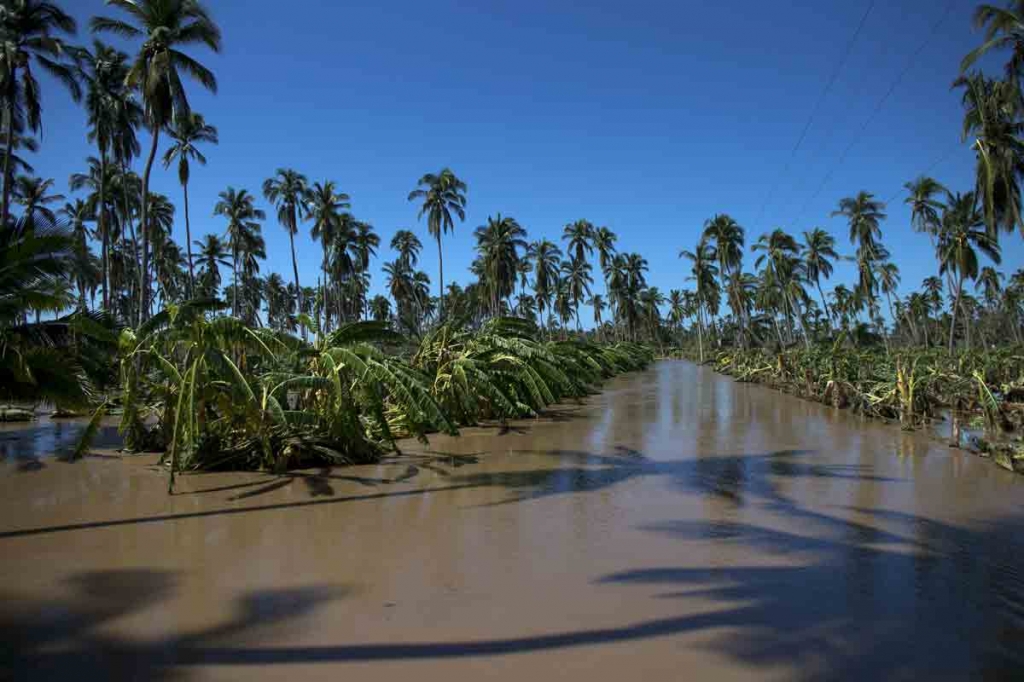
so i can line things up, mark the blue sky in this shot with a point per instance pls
(647, 117)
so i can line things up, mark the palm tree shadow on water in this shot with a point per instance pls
(863, 593)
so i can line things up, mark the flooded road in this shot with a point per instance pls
(676, 526)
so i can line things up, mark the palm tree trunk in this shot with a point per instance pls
(700, 332)
(188, 246)
(803, 323)
(440, 272)
(325, 287)
(144, 227)
(824, 302)
(234, 282)
(105, 256)
(9, 147)
(952, 313)
(295, 271)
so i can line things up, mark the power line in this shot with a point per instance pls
(814, 110)
(878, 107)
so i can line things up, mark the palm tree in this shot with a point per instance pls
(579, 238)
(164, 27)
(113, 114)
(889, 281)
(547, 260)
(30, 32)
(78, 216)
(962, 235)
(597, 303)
(990, 282)
(1004, 29)
(287, 190)
(239, 208)
(864, 215)
(676, 308)
(380, 308)
(576, 279)
(187, 132)
(324, 205)
(212, 254)
(275, 293)
(499, 243)
(818, 253)
(604, 243)
(33, 194)
(784, 271)
(703, 273)
(442, 195)
(924, 207)
(728, 238)
(991, 117)
(408, 246)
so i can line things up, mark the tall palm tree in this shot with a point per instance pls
(408, 246)
(324, 204)
(442, 196)
(287, 190)
(239, 208)
(962, 235)
(579, 238)
(597, 303)
(991, 117)
(818, 253)
(31, 32)
(577, 279)
(187, 133)
(164, 27)
(703, 272)
(547, 260)
(728, 238)
(784, 271)
(499, 243)
(78, 216)
(864, 215)
(889, 281)
(113, 115)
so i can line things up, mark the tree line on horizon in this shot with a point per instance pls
(123, 247)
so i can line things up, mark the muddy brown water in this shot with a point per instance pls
(676, 526)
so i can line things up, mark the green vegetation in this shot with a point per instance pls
(245, 368)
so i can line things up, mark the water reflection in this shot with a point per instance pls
(719, 527)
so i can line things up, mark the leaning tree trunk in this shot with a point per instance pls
(295, 271)
(952, 313)
(824, 302)
(440, 273)
(188, 246)
(325, 288)
(803, 323)
(144, 227)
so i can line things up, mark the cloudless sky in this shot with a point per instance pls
(648, 117)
